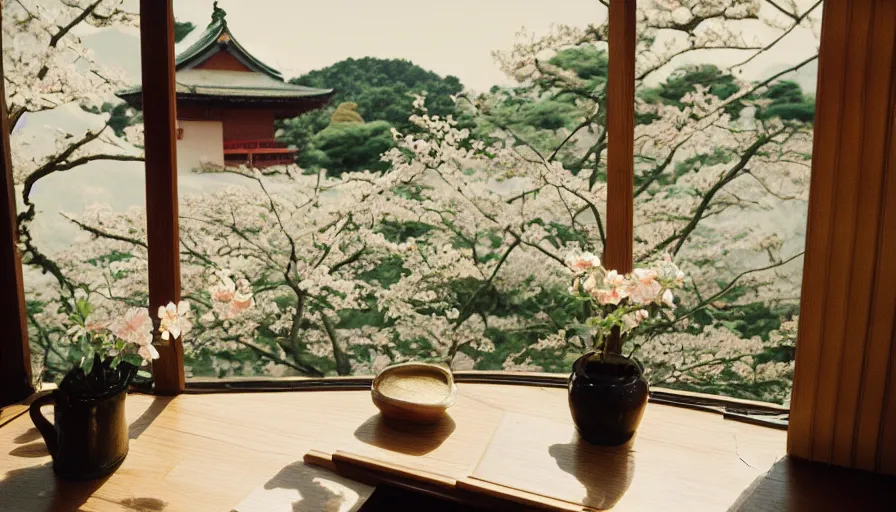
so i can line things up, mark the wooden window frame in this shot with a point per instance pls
(816, 430)
(160, 134)
(15, 354)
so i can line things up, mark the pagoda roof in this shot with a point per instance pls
(238, 85)
(262, 84)
(216, 38)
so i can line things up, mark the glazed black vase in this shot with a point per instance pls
(89, 439)
(607, 397)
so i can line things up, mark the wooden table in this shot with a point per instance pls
(213, 451)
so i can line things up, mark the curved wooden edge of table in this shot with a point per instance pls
(246, 451)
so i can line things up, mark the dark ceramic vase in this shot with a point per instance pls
(90, 437)
(607, 396)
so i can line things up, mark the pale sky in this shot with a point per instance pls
(450, 38)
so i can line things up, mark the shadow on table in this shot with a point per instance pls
(32, 449)
(800, 486)
(406, 438)
(32, 434)
(606, 472)
(299, 487)
(37, 488)
(149, 415)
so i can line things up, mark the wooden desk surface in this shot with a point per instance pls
(210, 452)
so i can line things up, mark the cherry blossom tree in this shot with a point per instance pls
(46, 67)
(456, 253)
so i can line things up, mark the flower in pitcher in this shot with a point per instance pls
(173, 320)
(135, 326)
(148, 352)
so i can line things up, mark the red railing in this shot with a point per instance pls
(249, 144)
(257, 153)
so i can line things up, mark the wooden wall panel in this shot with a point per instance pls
(248, 124)
(876, 430)
(846, 320)
(15, 356)
(159, 115)
(831, 73)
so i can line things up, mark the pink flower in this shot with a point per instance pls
(223, 291)
(615, 292)
(148, 352)
(635, 318)
(610, 296)
(645, 287)
(134, 327)
(581, 261)
(174, 321)
(93, 325)
(614, 279)
(241, 302)
(668, 298)
(589, 284)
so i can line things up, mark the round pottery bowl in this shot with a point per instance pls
(414, 392)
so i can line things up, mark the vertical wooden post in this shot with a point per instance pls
(159, 118)
(15, 356)
(843, 409)
(621, 146)
(621, 132)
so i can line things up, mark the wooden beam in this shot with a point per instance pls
(845, 346)
(621, 132)
(15, 356)
(159, 115)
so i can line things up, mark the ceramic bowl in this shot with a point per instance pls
(414, 392)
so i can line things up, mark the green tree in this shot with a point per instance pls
(348, 146)
(787, 99)
(382, 89)
(787, 102)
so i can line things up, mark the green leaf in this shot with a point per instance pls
(87, 362)
(133, 360)
(84, 308)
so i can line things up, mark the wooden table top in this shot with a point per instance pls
(216, 451)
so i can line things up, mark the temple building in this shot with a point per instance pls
(227, 102)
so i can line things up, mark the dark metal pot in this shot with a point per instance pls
(607, 397)
(90, 437)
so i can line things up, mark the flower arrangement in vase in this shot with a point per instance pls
(90, 436)
(607, 389)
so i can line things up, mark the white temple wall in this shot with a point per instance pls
(200, 143)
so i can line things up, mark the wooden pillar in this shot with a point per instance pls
(159, 119)
(15, 356)
(843, 409)
(621, 141)
(621, 137)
